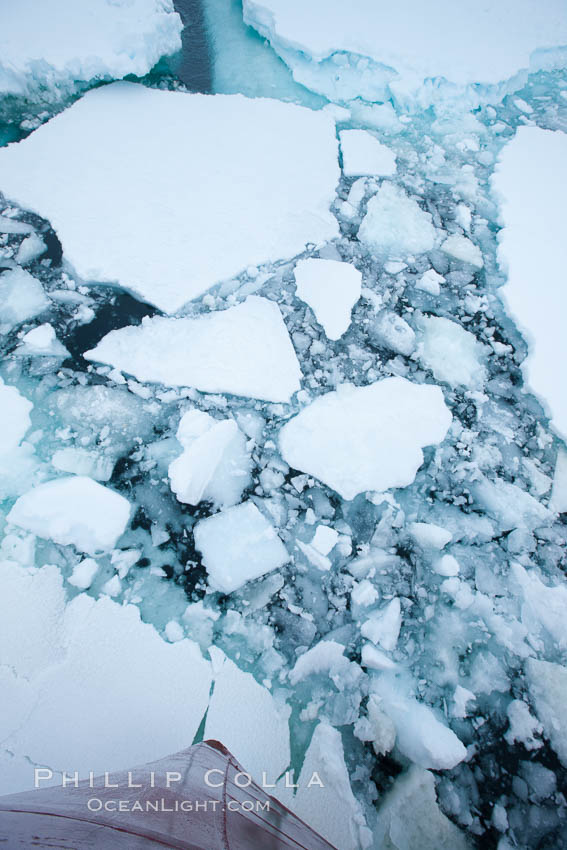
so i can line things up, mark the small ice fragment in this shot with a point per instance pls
(429, 536)
(447, 565)
(31, 249)
(324, 539)
(463, 249)
(331, 289)
(83, 574)
(395, 225)
(383, 626)
(430, 282)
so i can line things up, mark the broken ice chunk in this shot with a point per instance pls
(214, 464)
(366, 438)
(238, 545)
(395, 225)
(374, 659)
(74, 510)
(421, 737)
(383, 626)
(84, 573)
(31, 249)
(453, 354)
(245, 350)
(523, 726)
(331, 289)
(390, 331)
(276, 178)
(410, 818)
(324, 539)
(12, 225)
(429, 536)
(21, 297)
(548, 687)
(14, 417)
(463, 249)
(446, 565)
(363, 155)
(559, 492)
(42, 341)
(248, 720)
(430, 282)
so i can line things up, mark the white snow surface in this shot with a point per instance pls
(238, 545)
(74, 510)
(255, 175)
(64, 656)
(56, 43)
(395, 226)
(331, 289)
(409, 43)
(366, 438)
(245, 350)
(530, 180)
(247, 719)
(363, 154)
(214, 464)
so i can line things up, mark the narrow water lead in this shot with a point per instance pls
(195, 66)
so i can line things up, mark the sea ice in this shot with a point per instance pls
(70, 655)
(421, 53)
(245, 350)
(453, 354)
(530, 180)
(214, 465)
(395, 225)
(238, 545)
(383, 626)
(74, 510)
(548, 688)
(42, 341)
(558, 500)
(276, 179)
(366, 438)
(53, 46)
(21, 298)
(409, 816)
(363, 154)
(331, 289)
(461, 248)
(248, 720)
(14, 418)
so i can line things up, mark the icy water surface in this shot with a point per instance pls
(428, 606)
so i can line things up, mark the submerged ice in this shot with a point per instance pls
(319, 513)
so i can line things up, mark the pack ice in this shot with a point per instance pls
(245, 350)
(366, 438)
(373, 49)
(530, 181)
(48, 48)
(258, 173)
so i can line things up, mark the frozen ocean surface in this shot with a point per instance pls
(282, 407)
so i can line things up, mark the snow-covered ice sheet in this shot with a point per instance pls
(57, 44)
(363, 47)
(68, 655)
(74, 510)
(238, 545)
(248, 720)
(331, 289)
(530, 181)
(366, 438)
(245, 350)
(256, 175)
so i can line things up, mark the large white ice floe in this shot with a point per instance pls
(331, 289)
(259, 172)
(410, 816)
(248, 720)
(67, 655)
(73, 510)
(214, 464)
(416, 53)
(366, 438)
(238, 545)
(56, 44)
(530, 180)
(245, 350)
(395, 226)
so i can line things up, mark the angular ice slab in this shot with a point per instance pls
(530, 181)
(364, 154)
(74, 510)
(21, 297)
(395, 225)
(214, 464)
(366, 438)
(331, 289)
(245, 350)
(181, 190)
(346, 50)
(55, 44)
(238, 545)
(453, 354)
(67, 655)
